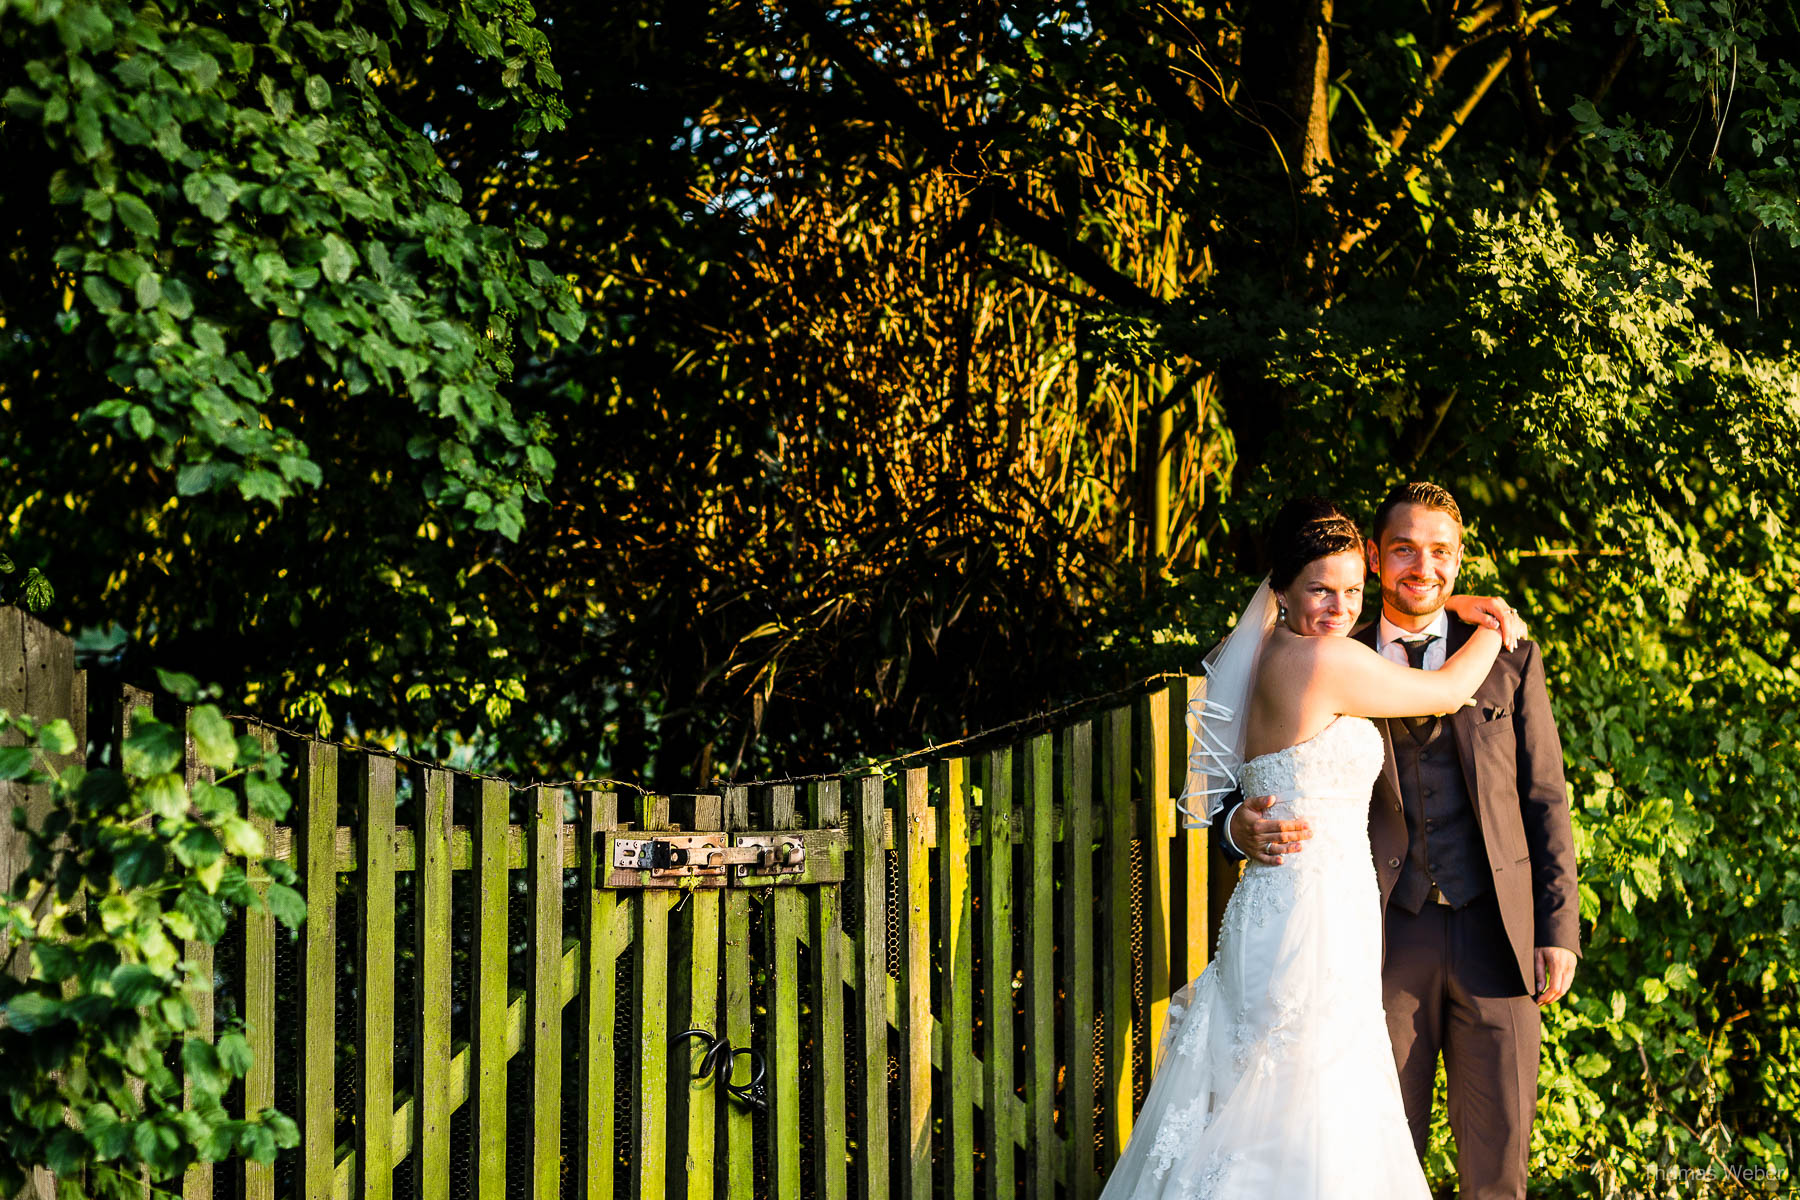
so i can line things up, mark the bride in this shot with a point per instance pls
(1276, 1075)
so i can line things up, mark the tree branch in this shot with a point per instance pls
(1440, 62)
(1355, 236)
(893, 101)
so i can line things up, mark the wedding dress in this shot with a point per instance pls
(1277, 1081)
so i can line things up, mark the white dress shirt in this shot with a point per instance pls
(1388, 637)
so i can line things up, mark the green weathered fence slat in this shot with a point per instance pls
(652, 974)
(259, 1000)
(1156, 826)
(602, 943)
(914, 1159)
(1116, 964)
(431, 1045)
(488, 1003)
(997, 991)
(703, 1013)
(1078, 932)
(956, 903)
(316, 852)
(740, 1136)
(872, 981)
(1193, 869)
(787, 914)
(197, 1182)
(375, 998)
(825, 806)
(546, 901)
(1038, 921)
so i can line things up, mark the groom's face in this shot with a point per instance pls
(1417, 559)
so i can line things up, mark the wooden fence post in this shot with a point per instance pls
(315, 846)
(375, 1000)
(652, 974)
(740, 1135)
(488, 999)
(957, 965)
(914, 1159)
(826, 933)
(872, 981)
(431, 1047)
(1156, 828)
(1078, 929)
(1039, 918)
(997, 996)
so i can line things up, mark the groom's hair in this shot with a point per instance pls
(1425, 495)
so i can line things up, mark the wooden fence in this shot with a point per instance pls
(956, 990)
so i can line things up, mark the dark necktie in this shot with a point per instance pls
(1419, 727)
(1415, 649)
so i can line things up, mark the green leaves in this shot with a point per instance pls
(16, 761)
(287, 905)
(200, 206)
(110, 998)
(213, 739)
(152, 749)
(135, 215)
(29, 1012)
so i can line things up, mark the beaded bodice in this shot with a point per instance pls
(1326, 780)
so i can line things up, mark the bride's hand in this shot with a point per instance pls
(1492, 612)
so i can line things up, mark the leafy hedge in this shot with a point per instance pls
(128, 864)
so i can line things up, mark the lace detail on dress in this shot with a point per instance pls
(1206, 1184)
(1176, 1137)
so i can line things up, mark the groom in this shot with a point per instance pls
(1470, 830)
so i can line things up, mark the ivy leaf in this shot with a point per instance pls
(285, 339)
(15, 761)
(134, 984)
(182, 686)
(214, 741)
(200, 1063)
(152, 749)
(235, 1056)
(339, 260)
(136, 216)
(57, 737)
(166, 796)
(287, 905)
(266, 797)
(38, 592)
(29, 1012)
(242, 838)
(138, 864)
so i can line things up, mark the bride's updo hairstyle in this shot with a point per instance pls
(1304, 531)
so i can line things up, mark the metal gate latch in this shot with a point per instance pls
(701, 855)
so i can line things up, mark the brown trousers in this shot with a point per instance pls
(1450, 985)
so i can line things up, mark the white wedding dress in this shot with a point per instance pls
(1277, 1080)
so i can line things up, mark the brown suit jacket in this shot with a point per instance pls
(1512, 762)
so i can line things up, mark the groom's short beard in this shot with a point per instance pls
(1395, 599)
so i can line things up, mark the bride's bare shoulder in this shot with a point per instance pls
(1289, 652)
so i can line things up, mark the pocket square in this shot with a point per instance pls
(1491, 712)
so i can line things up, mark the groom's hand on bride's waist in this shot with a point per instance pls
(1262, 839)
